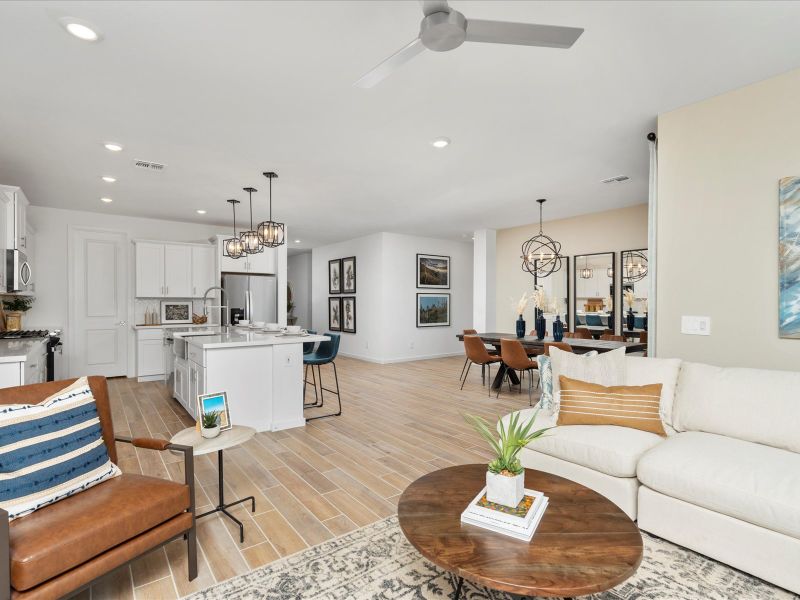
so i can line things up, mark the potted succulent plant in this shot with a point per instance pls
(505, 476)
(209, 426)
(15, 307)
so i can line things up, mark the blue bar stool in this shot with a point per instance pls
(325, 354)
(308, 347)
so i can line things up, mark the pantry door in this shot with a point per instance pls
(98, 287)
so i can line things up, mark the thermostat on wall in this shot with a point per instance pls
(692, 325)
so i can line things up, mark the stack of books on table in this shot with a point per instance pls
(519, 522)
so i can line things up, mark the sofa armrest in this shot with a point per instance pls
(156, 444)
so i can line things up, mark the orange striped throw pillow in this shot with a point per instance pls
(634, 406)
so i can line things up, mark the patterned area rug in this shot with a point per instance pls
(376, 561)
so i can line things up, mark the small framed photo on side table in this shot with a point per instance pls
(216, 402)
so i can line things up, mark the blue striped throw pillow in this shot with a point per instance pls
(51, 450)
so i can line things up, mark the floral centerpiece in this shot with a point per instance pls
(505, 476)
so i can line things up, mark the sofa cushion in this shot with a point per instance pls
(608, 449)
(51, 450)
(606, 369)
(641, 370)
(634, 406)
(755, 405)
(752, 482)
(72, 531)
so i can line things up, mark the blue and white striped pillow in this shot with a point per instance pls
(51, 450)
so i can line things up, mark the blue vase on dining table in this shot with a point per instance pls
(541, 326)
(520, 327)
(558, 329)
(630, 320)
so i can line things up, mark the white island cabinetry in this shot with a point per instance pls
(262, 375)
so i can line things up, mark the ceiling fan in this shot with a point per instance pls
(443, 29)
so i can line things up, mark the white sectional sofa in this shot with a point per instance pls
(725, 481)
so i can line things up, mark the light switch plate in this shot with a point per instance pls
(694, 325)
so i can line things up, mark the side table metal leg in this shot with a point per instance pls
(222, 507)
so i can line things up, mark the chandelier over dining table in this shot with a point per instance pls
(268, 234)
(541, 255)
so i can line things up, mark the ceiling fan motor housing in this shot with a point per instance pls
(442, 31)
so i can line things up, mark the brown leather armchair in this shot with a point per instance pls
(64, 547)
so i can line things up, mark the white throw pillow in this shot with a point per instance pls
(605, 369)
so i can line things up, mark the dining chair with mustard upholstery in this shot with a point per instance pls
(610, 337)
(560, 345)
(489, 349)
(477, 354)
(515, 357)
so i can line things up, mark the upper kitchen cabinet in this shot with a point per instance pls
(14, 207)
(203, 273)
(264, 263)
(173, 270)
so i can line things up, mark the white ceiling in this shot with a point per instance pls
(223, 91)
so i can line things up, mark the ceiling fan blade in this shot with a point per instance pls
(433, 6)
(388, 66)
(522, 34)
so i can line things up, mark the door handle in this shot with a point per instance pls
(122, 323)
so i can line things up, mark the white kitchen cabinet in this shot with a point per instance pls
(177, 271)
(11, 374)
(181, 382)
(149, 353)
(173, 270)
(263, 263)
(15, 206)
(203, 272)
(197, 386)
(149, 270)
(26, 368)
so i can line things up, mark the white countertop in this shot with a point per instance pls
(247, 338)
(12, 351)
(174, 326)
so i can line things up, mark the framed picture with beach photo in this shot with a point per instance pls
(215, 403)
(433, 271)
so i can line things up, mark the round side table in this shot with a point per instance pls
(238, 434)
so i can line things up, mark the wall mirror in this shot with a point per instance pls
(593, 301)
(556, 291)
(635, 289)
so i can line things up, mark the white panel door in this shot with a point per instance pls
(149, 270)
(202, 270)
(98, 306)
(177, 271)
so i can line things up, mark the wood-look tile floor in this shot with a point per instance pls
(311, 484)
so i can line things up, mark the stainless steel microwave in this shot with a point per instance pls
(19, 276)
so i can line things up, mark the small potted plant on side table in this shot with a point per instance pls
(505, 476)
(209, 427)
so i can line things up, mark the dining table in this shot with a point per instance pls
(530, 342)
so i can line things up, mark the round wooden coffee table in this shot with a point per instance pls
(584, 544)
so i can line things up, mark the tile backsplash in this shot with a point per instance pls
(142, 304)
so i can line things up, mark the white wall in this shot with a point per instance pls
(50, 262)
(386, 296)
(608, 231)
(719, 163)
(299, 277)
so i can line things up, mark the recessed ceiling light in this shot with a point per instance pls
(440, 142)
(297, 241)
(200, 211)
(109, 179)
(83, 30)
(106, 200)
(113, 146)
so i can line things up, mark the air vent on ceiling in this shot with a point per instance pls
(149, 164)
(616, 179)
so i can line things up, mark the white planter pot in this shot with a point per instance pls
(505, 490)
(209, 432)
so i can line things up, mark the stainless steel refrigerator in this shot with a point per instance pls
(253, 296)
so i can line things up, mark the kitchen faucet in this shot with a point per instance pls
(224, 312)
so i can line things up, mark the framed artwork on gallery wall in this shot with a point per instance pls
(349, 314)
(335, 276)
(433, 310)
(349, 275)
(335, 314)
(433, 271)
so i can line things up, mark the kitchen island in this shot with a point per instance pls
(262, 374)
